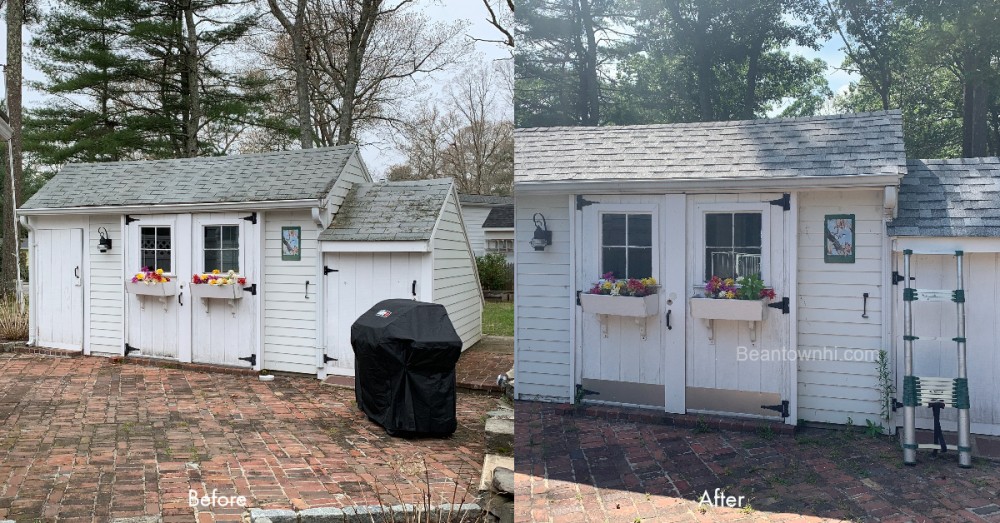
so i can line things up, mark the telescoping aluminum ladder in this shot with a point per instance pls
(936, 393)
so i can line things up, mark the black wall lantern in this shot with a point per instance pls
(543, 236)
(104, 244)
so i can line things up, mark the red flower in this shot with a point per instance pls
(196, 279)
(767, 293)
(241, 281)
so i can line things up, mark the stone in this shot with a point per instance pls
(321, 515)
(491, 463)
(500, 436)
(258, 515)
(500, 414)
(503, 480)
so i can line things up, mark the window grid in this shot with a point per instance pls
(737, 256)
(155, 248)
(222, 248)
(500, 245)
(628, 255)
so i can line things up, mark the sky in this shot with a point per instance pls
(378, 155)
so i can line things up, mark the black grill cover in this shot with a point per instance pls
(404, 363)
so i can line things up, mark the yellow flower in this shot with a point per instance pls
(729, 281)
(159, 271)
(215, 271)
(730, 295)
(213, 282)
(225, 281)
(606, 285)
(140, 276)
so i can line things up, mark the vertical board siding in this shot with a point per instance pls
(474, 216)
(106, 292)
(541, 301)
(456, 284)
(289, 317)
(840, 380)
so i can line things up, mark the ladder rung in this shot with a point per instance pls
(932, 446)
(935, 338)
(933, 294)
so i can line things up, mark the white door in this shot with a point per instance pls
(159, 326)
(355, 283)
(627, 360)
(58, 281)
(734, 367)
(222, 330)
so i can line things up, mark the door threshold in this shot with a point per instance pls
(698, 422)
(151, 361)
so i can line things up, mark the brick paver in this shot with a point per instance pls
(480, 365)
(84, 439)
(577, 468)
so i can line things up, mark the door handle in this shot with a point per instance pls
(669, 327)
(413, 290)
(179, 300)
(76, 272)
(307, 289)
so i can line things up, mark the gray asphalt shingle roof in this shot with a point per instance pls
(959, 197)
(500, 217)
(284, 175)
(839, 145)
(389, 211)
(484, 199)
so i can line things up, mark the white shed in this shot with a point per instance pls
(94, 226)
(475, 209)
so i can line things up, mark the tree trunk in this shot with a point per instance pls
(10, 248)
(753, 71)
(589, 86)
(703, 58)
(194, 95)
(296, 30)
(974, 108)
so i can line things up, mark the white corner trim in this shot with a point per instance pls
(375, 246)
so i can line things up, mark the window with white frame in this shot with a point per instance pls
(222, 248)
(155, 248)
(500, 245)
(627, 244)
(732, 244)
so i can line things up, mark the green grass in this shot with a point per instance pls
(498, 318)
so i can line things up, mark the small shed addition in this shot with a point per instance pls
(498, 231)
(475, 209)
(273, 219)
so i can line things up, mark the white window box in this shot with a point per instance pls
(630, 306)
(152, 289)
(222, 292)
(722, 309)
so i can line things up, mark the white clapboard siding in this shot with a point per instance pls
(474, 216)
(456, 279)
(837, 378)
(289, 316)
(934, 319)
(106, 290)
(542, 349)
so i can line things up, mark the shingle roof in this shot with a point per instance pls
(284, 175)
(389, 211)
(500, 217)
(839, 145)
(484, 199)
(959, 197)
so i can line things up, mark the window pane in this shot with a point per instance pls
(718, 230)
(613, 229)
(148, 238)
(212, 261)
(163, 260)
(640, 230)
(613, 260)
(231, 260)
(212, 238)
(747, 262)
(231, 237)
(640, 263)
(719, 262)
(746, 227)
(163, 238)
(148, 258)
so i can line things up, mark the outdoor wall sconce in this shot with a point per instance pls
(543, 236)
(104, 244)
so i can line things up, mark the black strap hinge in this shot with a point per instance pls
(582, 202)
(252, 218)
(251, 359)
(130, 349)
(785, 202)
(784, 305)
(129, 219)
(252, 289)
(897, 278)
(327, 359)
(327, 270)
(780, 409)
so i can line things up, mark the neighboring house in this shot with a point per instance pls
(498, 231)
(475, 209)
(317, 242)
(803, 202)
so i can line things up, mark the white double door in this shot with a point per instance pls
(183, 326)
(670, 360)
(59, 290)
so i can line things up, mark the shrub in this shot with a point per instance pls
(13, 321)
(495, 274)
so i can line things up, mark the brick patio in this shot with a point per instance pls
(577, 468)
(85, 439)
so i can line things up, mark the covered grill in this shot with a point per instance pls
(405, 354)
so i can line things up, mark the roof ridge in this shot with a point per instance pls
(720, 123)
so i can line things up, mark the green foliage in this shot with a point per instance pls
(750, 287)
(872, 429)
(495, 274)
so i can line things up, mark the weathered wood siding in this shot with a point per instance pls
(105, 286)
(456, 280)
(837, 376)
(542, 350)
(289, 315)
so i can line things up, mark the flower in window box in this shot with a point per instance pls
(150, 277)
(610, 286)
